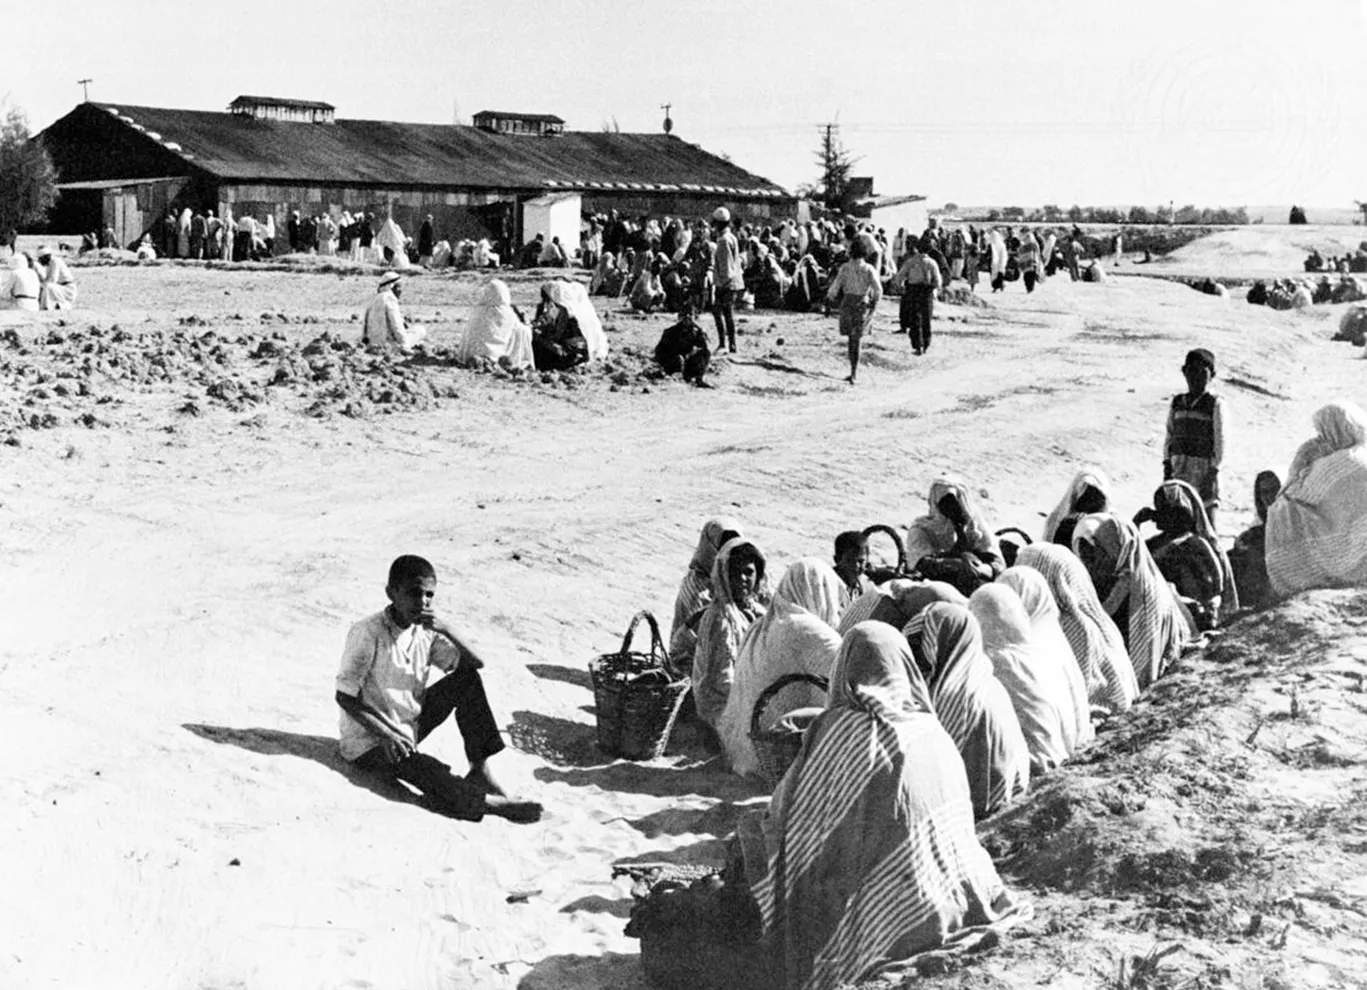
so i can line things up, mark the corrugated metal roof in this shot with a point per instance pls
(377, 152)
(549, 118)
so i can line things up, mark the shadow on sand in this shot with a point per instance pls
(565, 675)
(319, 749)
(610, 971)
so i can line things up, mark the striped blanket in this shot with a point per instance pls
(1155, 628)
(1096, 642)
(971, 704)
(1316, 533)
(867, 855)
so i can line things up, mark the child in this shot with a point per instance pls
(738, 595)
(861, 288)
(1195, 444)
(388, 708)
(851, 561)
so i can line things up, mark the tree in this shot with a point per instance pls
(1139, 215)
(1052, 213)
(610, 126)
(28, 180)
(836, 164)
(951, 207)
(1075, 213)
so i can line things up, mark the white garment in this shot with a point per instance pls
(384, 325)
(386, 667)
(391, 236)
(21, 286)
(572, 297)
(495, 332)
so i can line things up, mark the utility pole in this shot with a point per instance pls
(669, 124)
(85, 88)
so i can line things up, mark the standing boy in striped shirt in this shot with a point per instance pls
(1195, 444)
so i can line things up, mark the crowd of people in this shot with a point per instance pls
(1289, 293)
(980, 665)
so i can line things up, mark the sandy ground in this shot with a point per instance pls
(178, 587)
(1257, 251)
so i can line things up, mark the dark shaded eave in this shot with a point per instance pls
(235, 148)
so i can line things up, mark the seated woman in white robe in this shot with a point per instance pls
(1088, 492)
(1051, 645)
(867, 855)
(647, 295)
(953, 541)
(485, 255)
(971, 704)
(695, 590)
(796, 635)
(1097, 644)
(21, 285)
(57, 286)
(1134, 593)
(1316, 534)
(495, 332)
(1038, 691)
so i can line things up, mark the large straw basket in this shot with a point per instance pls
(776, 750)
(636, 695)
(901, 570)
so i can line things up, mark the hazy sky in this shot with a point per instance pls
(1213, 102)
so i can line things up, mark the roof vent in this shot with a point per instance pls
(537, 124)
(278, 108)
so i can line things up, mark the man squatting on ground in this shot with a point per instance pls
(388, 707)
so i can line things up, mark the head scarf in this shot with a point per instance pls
(495, 331)
(971, 704)
(936, 532)
(1096, 642)
(571, 297)
(721, 630)
(1052, 645)
(1081, 482)
(1180, 494)
(867, 854)
(721, 581)
(1038, 693)
(606, 265)
(1340, 425)
(1155, 630)
(18, 261)
(796, 635)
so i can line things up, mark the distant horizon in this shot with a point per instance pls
(1218, 104)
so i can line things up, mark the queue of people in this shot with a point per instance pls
(952, 688)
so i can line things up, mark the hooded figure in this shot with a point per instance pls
(1097, 645)
(1088, 492)
(958, 548)
(1134, 593)
(1189, 553)
(495, 332)
(796, 635)
(1052, 648)
(1317, 528)
(1038, 692)
(695, 590)
(867, 854)
(391, 238)
(971, 704)
(571, 297)
(738, 594)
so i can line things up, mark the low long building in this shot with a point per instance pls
(125, 166)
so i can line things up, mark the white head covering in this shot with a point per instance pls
(571, 297)
(495, 332)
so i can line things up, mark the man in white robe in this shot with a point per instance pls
(384, 324)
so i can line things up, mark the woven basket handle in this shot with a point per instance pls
(657, 646)
(896, 541)
(1013, 531)
(763, 700)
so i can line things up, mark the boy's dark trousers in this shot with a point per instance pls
(918, 306)
(723, 312)
(461, 693)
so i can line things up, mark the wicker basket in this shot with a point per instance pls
(885, 574)
(775, 750)
(636, 696)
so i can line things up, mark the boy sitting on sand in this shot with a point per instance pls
(851, 563)
(388, 708)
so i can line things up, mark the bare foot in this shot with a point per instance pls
(522, 812)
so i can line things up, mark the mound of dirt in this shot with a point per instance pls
(1198, 815)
